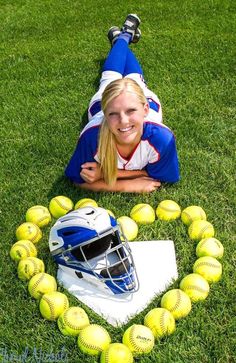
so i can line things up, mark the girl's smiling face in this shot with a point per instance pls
(125, 116)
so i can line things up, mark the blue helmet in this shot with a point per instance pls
(87, 243)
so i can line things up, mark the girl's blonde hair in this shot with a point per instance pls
(107, 151)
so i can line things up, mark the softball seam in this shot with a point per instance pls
(42, 218)
(188, 216)
(88, 203)
(26, 248)
(66, 321)
(65, 302)
(178, 302)
(51, 307)
(28, 270)
(36, 285)
(61, 205)
(138, 210)
(132, 337)
(107, 356)
(36, 234)
(169, 209)
(195, 288)
(37, 208)
(205, 242)
(163, 322)
(208, 264)
(202, 230)
(83, 341)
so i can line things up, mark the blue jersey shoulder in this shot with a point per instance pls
(88, 132)
(163, 140)
(158, 135)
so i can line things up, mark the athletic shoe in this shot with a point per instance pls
(131, 25)
(114, 32)
(137, 36)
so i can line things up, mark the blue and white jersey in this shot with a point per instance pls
(156, 152)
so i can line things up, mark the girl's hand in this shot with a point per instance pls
(142, 185)
(91, 172)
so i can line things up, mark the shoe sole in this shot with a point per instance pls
(136, 17)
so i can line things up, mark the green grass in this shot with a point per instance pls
(51, 53)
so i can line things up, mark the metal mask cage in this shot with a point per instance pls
(107, 258)
(123, 269)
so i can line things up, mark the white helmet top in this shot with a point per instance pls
(97, 220)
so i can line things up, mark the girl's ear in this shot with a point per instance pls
(146, 109)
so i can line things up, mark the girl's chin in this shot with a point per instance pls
(126, 140)
(132, 138)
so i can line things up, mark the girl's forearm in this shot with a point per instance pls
(141, 184)
(130, 174)
(121, 185)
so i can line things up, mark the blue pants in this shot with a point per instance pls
(122, 60)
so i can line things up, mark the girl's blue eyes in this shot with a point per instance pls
(117, 114)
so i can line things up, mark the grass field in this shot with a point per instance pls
(51, 54)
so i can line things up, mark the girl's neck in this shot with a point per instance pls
(126, 151)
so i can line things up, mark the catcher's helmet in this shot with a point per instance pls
(87, 244)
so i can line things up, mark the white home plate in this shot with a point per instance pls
(156, 268)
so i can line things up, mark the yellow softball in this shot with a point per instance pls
(160, 321)
(60, 205)
(195, 286)
(139, 339)
(85, 202)
(93, 339)
(129, 227)
(29, 231)
(40, 284)
(200, 229)
(39, 215)
(22, 249)
(168, 210)
(53, 304)
(29, 267)
(143, 213)
(192, 213)
(72, 321)
(209, 268)
(210, 247)
(177, 302)
(116, 353)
